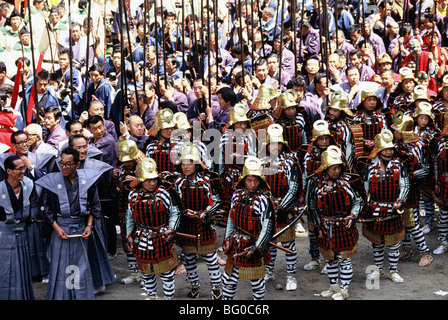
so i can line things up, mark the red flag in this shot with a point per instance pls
(29, 110)
(17, 80)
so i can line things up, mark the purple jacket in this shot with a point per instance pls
(55, 137)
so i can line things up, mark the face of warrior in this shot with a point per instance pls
(422, 120)
(188, 167)
(252, 183)
(334, 171)
(370, 104)
(240, 127)
(130, 165)
(323, 142)
(275, 148)
(149, 185)
(408, 85)
(334, 114)
(386, 154)
(290, 112)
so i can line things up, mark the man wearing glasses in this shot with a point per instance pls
(71, 202)
(16, 202)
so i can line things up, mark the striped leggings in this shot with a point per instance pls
(442, 225)
(291, 259)
(150, 283)
(211, 260)
(417, 234)
(393, 252)
(340, 268)
(229, 285)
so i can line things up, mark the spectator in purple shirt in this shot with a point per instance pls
(226, 100)
(169, 92)
(104, 141)
(56, 134)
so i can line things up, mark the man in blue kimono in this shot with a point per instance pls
(71, 202)
(99, 89)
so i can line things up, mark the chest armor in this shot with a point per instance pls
(149, 211)
(292, 133)
(245, 218)
(384, 187)
(194, 197)
(334, 202)
(313, 163)
(236, 146)
(277, 180)
(371, 129)
(162, 157)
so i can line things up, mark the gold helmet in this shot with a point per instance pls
(406, 73)
(147, 169)
(238, 114)
(403, 122)
(340, 102)
(420, 93)
(285, 100)
(369, 92)
(181, 121)
(128, 151)
(252, 167)
(162, 120)
(320, 128)
(383, 140)
(275, 134)
(330, 157)
(424, 108)
(189, 151)
(266, 93)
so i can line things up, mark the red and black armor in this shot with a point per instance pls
(149, 212)
(195, 197)
(384, 188)
(248, 226)
(162, 157)
(335, 203)
(292, 133)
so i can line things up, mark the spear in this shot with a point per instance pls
(70, 51)
(130, 48)
(145, 37)
(294, 39)
(281, 44)
(164, 45)
(87, 51)
(215, 23)
(242, 43)
(431, 41)
(301, 26)
(157, 50)
(183, 38)
(36, 102)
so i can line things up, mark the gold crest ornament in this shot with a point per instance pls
(147, 169)
(285, 100)
(181, 121)
(383, 140)
(162, 120)
(340, 102)
(424, 108)
(266, 93)
(320, 128)
(330, 157)
(128, 151)
(406, 73)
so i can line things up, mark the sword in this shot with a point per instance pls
(296, 218)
